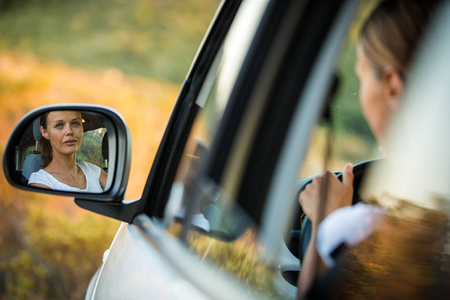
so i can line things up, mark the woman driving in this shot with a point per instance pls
(384, 53)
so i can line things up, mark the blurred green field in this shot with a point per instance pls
(156, 39)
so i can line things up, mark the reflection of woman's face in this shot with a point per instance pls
(64, 131)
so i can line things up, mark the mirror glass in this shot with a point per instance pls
(64, 150)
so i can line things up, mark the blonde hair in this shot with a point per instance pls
(390, 35)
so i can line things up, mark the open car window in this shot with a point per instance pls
(351, 140)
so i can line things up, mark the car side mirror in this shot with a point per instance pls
(71, 149)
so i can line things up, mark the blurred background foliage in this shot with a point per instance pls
(153, 38)
(131, 55)
(91, 148)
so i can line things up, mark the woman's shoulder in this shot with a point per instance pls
(41, 177)
(39, 174)
(92, 174)
(88, 165)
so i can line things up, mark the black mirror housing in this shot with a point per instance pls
(110, 136)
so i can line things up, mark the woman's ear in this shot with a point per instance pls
(43, 132)
(393, 87)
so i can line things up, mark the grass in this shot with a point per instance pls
(155, 39)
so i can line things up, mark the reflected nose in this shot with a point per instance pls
(69, 130)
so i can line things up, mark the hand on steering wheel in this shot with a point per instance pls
(338, 194)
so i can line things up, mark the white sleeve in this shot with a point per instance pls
(348, 225)
(41, 178)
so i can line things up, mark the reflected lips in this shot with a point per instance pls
(70, 142)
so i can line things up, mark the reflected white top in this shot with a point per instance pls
(91, 173)
(349, 225)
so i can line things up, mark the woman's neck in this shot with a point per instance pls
(63, 164)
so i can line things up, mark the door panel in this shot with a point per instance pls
(135, 269)
(146, 262)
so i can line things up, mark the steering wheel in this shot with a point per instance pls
(301, 226)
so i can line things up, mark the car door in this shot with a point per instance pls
(211, 209)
